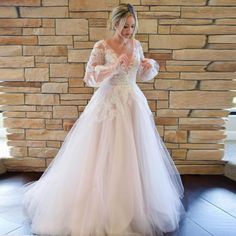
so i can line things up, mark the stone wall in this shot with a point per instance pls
(44, 46)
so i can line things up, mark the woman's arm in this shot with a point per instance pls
(148, 68)
(96, 71)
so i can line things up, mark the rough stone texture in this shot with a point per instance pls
(44, 48)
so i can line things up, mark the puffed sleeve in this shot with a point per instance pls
(96, 70)
(147, 74)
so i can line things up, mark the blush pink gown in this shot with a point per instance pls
(113, 175)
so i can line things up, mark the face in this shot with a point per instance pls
(129, 27)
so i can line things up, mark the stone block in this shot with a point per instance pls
(64, 27)
(177, 41)
(65, 112)
(55, 88)
(42, 99)
(12, 75)
(44, 12)
(37, 74)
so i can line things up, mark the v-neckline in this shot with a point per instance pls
(117, 55)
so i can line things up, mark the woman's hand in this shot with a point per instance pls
(68, 125)
(145, 64)
(122, 62)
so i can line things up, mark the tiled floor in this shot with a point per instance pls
(210, 202)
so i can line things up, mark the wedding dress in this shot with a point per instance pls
(113, 174)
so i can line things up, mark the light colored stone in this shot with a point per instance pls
(225, 21)
(209, 113)
(164, 84)
(56, 144)
(11, 99)
(184, 21)
(162, 104)
(37, 74)
(18, 163)
(222, 39)
(220, 85)
(12, 75)
(207, 76)
(65, 112)
(48, 60)
(208, 12)
(179, 154)
(39, 114)
(96, 34)
(18, 151)
(20, 3)
(55, 88)
(55, 2)
(13, 114)
(44, 12)
(12, 62)
(202, 29)
(45, 50)
(174, 2)
(80, 5)
(175, 136)
(49, 23)
(64, 27)
(177, 41)
(66, 70)
(20, 22)
(147, 26)
(43, 152)
(43, 134)
(222, 66)
(202, 145)
(10, 50)
(89, 15)
(78, 55)
(8, 12)
(39, 31)
(81, 90)
(76, 82)
(55, 40)
(166, 121)
(209, 169)
(42, 99)
(155, 94)
(207, 134)
(24, 123)
(197, 99)
(172, 113)
(205, 154)
(222, 3)
(204, 54)
(158, 14)
(20, 40)
(71, 97)
(202, 121)
(18, 108)
(10, 31)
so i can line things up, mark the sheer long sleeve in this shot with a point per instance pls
(147, 74)
(96, 71)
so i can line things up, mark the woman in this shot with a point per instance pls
(113, 175)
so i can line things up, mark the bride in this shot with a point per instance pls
(113, 174)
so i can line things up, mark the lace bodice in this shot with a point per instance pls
(100, 67)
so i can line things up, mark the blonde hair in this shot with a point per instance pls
(119, 15)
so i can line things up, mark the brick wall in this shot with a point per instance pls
(44, 45)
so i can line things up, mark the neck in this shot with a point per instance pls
(120, 39)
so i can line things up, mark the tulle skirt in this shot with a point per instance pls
(112, 176)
